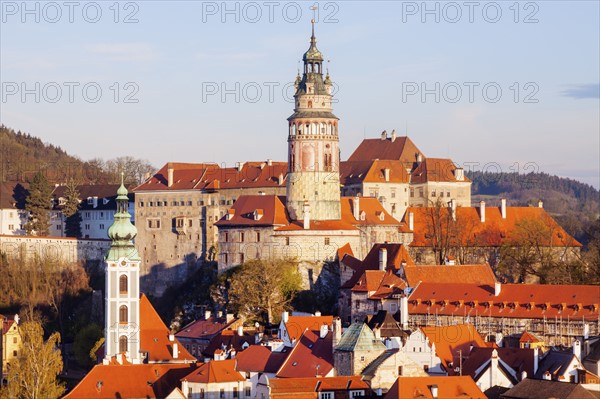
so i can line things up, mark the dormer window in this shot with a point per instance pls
(90, 201)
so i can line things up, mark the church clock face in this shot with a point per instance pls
(123, 263)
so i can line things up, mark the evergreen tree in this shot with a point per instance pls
(71, 211)
(39, 205)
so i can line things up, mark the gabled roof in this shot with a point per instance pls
(517, 359)
(556, 363)
(310, 386)
(311, 356)
(344, 250)
(359, 337)
(216, 371)
(544, 389)
(449, 340)
(210, 176)
(296, 325)
(205, 328)
(379, 284)
(448, 388)
(229, 340)
(494, 231)
(7, 192)
(530, 337)
(436, 170)
(514, 300)
(469, 274)
(373, 171)
(387, 325)
(401, 148)
(261, 359)
(130, 381)
(154, 336)
(272, 206)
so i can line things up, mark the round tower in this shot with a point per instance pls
(313, 145)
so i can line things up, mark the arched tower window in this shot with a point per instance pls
(123, 343)
(123, 284)
(123, 316)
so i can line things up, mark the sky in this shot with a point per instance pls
(496, 86)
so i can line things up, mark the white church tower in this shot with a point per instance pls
(122, 287)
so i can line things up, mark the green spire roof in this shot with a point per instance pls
(313, 53)
(359, 337)
(122, 231)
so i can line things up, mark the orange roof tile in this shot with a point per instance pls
(448, 388)
(154, 336)
(469, 274)
(215, 371)
(534, 301)
(435, 170)
(402, 149)
(344, 250)
(373, 171)
(259, 358)
(529, 337)
(284, 387)
(272, 206)
(449, 340)
(130, 381)
(312, 355)
(371, 206)
(493, 232)
(296, 325)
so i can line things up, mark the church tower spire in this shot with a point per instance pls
(313, 144)
(122, 292)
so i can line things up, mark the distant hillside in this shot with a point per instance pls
(23, 155)
(573, 204)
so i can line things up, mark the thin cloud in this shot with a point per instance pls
(124, 51)
(590, 90)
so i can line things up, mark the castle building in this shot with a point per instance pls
(313, 221)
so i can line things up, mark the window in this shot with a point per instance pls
(400, 370)
(248, 391)
(226, 236)
(287, 240)
(123, 314)
(325, 395)
(242, 236)
(221, 393)
(421, 192)
(189, 203)
(393, 195)
(258, 236)
(241, 258)
(448, 194)
(15, 340)
(393, 208)
(412, 192)
(190, 223)
(15, 353)
(87, 226)
(123, 284)
(201, 393)
(426, 368)
(12, 226)
(235, 392)
(357, 303)
(362, 358)
(326, 240)
(190, 392)
(433, 193)
(357, 393)
(101, 227)
(441, 194)
(123, 343)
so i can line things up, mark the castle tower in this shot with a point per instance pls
(122, 287)
(313, 145)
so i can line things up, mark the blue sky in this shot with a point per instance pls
(517, 83)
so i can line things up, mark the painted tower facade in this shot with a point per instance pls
(122, 287)
(313, 145)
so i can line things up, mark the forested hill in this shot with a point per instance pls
(575, 205)
(23, 155)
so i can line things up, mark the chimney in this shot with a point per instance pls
(285, 316)
(219, 314)
(239, 166)
(453, 208)
(503, 207)
(586, 329)
(497, 288)
(229, 317)
(175, 351)
(240, 331)
(577, 349)
(306, 215)
(280, 179)
(459, 174)
(337, 331)
(169, 174)
(171, 338)
(382, 258)
(434, 391)
(411, 221)
(377, 333)
(323, 330)
(318, 313)
(386, 174)
(384, 135)
(404, 312)
(419, 157)
(185, 387)
(536, 360)
(494, 369)
(393, 135)
(269, 162)
(356, 207)
(206, 314)
(482, 211)
(547, 376)
(540, 204)
(523, 375)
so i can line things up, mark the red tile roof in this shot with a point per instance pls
(229, 340)
(312, 355)
(7, 200)
(469, 274)
(205, 328)
(259, 358)
(448, 388)
(154, 336)
(310, 386)
(518, 359)
(130, 381)
(449, 340)
(494, 231)
(190, 176)
(402, 149)
(529, 337)
(344, 250)
(534, 301)
(272, 207)
(373, 171)
(435, 170)
(296, 325)
(215, 371)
